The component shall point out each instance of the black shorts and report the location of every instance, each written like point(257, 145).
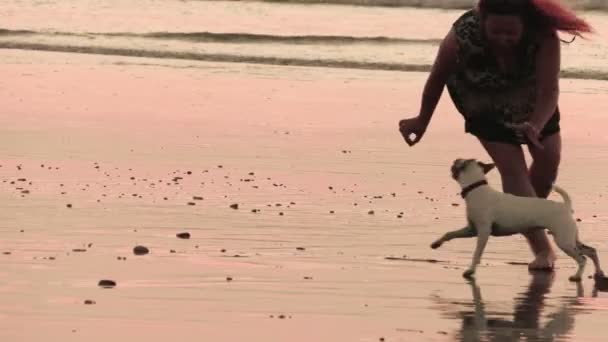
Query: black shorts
point(492, 131)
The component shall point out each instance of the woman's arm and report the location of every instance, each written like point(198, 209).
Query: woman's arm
point(444, 65)
point(547, 81)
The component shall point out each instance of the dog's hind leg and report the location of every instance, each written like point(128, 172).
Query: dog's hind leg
point(569, 247)
point(466, 232)
point(592, 254)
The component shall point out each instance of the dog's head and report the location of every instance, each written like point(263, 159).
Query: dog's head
point(466, 171)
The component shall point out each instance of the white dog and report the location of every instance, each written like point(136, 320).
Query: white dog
point(490, 212)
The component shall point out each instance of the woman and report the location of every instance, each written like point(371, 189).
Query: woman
point(501, 62)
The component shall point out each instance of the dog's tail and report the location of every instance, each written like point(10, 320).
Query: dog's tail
point(564, 195)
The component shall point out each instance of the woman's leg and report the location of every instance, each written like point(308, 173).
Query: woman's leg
point(516, 180)
point(543, 171)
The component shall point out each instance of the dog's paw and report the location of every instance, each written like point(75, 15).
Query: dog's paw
point(575, 278)
point(436, 244)
point(468, 274)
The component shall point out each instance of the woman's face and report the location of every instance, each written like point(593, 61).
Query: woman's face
point(503, 32)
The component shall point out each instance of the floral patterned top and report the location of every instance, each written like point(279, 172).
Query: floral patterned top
point(479, 88)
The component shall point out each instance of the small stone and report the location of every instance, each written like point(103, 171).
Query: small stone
point(234, 206)
point(197, 198)
point(281, 214)
point(381, 339)
point(223, 250)
point(79, 250)
point(455, 204)
point(172, 251)
point(140, 250)
point(281, 316)
point(331, 212)
point(578, 220)
point(69, 205)
point(89, 302)
point(191, 203)
point(228, 278)
point(7, 253)
point(371, 212)
point(185, 235)
point(107, 283)
point(308, 278)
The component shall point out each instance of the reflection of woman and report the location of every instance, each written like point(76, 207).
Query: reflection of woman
point(501, 62)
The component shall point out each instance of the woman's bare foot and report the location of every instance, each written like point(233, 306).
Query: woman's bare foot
point(544, 261)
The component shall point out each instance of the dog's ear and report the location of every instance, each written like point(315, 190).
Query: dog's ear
point(486, 167)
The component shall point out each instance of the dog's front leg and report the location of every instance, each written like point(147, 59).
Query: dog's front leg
point(483, 234)
point(465, 232)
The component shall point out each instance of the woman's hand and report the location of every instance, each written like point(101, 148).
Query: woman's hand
point(414, 126)
point(528, 131)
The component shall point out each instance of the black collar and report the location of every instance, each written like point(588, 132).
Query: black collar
point(472, 187)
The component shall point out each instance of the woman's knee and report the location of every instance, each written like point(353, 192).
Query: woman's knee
point(545, 165)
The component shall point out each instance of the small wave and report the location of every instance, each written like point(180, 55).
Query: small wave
point(5, 32)
point(210, 57)
point(215, 37)
point(264, 38)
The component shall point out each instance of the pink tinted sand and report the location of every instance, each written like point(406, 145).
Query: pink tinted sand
point(316, 140)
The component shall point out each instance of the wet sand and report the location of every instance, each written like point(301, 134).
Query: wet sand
point(316, 153)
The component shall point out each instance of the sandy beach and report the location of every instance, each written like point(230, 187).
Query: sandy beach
point(330, 241)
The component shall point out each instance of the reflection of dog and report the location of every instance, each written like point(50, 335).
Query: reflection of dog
point(530, 320)
point(490, 212)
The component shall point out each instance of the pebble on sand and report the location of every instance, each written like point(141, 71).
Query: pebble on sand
point(191, 203)
point(185, 235)
point(68, 205)
point(89, 302)
point(140, 250)
point(107, 283)
point(228, 278)
point(234, 206)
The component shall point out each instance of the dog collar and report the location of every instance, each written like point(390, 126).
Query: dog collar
point(472, 187)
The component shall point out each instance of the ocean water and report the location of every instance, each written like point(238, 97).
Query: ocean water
point(354, 34)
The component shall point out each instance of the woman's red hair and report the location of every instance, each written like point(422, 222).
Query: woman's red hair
point(558, 17)
point(548, 14)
